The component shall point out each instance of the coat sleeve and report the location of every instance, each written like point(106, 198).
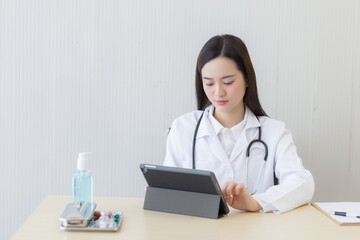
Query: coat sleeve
point(172, 157)
point(296, 184)
point(179, 140)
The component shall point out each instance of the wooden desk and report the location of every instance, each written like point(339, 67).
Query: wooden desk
point(303, 223)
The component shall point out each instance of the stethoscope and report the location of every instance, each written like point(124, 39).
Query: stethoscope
point(258, 140)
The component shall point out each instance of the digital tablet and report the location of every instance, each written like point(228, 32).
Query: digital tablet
point(183, 179)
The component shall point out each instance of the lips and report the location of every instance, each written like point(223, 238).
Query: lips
point(221, 102)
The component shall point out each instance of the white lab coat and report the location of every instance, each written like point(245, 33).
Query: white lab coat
point(296, 184)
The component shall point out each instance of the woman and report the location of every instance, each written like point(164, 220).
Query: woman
point(229, 118)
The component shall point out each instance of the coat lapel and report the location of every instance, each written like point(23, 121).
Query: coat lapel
point(206, 130)
point(216, 147)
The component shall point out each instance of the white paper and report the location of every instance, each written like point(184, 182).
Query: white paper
point(351, 208)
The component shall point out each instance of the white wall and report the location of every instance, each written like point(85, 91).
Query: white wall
point(110, 76)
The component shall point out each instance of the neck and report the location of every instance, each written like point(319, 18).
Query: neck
point(230, 119)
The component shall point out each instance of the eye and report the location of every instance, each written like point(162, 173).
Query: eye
point(229, 83)
point(208, 82)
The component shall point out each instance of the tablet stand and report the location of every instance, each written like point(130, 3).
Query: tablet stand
point(183, 202)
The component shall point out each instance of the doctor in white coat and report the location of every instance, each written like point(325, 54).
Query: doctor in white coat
point(253, 156)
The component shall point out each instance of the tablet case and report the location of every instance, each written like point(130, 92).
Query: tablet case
point(183, 191)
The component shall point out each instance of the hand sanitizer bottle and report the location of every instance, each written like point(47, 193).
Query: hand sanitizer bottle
point(82, 182)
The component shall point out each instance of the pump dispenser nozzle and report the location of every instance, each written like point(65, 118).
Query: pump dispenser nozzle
point(83, 161)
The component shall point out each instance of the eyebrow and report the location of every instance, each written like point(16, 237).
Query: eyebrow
point(224, 77)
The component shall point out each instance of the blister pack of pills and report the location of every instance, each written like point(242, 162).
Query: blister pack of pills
point(89, 219)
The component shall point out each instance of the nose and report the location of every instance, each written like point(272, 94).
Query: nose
point(219, 90)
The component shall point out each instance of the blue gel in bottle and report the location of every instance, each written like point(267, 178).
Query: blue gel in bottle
point(82, 182)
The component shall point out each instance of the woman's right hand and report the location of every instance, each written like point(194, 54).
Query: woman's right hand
point(238, 197)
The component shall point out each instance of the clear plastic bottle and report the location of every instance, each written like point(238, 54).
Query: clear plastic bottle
point(82, 181)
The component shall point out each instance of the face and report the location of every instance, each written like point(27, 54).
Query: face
point(224, 85)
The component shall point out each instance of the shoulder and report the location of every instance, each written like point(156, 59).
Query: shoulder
point(273, 128)
point(187, 119)
point(271, 123)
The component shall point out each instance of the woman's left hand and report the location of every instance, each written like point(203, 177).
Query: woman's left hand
point(237, 196)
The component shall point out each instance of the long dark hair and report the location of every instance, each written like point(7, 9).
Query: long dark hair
point(233, 48)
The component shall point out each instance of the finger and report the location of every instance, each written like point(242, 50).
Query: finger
point(239, 187)
point(230, 200)
point(225, 187)
point(230, 187)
